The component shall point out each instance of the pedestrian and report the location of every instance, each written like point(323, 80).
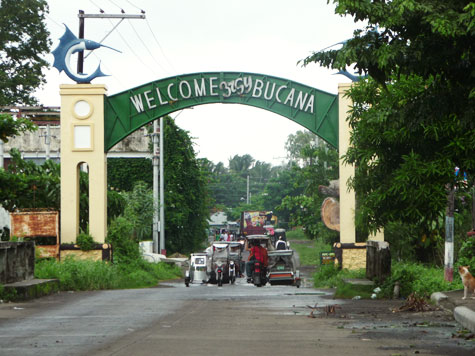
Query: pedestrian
point(224, 236)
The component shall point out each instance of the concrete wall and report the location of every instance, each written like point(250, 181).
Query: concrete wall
point(17, 261)
point(32, 145)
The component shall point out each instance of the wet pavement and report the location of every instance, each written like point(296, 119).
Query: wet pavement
point(233, 319)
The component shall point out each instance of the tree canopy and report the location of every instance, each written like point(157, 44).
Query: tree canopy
point(412, 118)
point(23, 41)
point(187, 202)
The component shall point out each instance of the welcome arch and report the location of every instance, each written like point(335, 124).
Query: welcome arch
point(314, 109)
point(92, 123)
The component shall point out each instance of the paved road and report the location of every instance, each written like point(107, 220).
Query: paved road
point(232, 320)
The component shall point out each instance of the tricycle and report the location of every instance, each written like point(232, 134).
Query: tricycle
point(219, 264)
point(197, 271)
point(282, 268)
point(256, 269)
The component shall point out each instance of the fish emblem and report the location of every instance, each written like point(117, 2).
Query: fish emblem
point(70, 44)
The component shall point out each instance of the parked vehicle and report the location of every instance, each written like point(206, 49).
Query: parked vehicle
point(282, 268)
point(198, 271)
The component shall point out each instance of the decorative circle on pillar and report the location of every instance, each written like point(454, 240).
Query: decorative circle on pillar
point(82, 109)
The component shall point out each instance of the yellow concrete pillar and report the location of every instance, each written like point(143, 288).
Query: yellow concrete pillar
point(82, 141)
point(347, 197)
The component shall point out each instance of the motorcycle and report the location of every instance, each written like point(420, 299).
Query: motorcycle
point(259, 274)
point(232, 272)
point(220, 269)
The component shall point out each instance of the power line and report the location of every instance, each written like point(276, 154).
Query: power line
point(55, 22)
point(159, 46)
point(146, 47)
point(113, 3)
point(135, 54)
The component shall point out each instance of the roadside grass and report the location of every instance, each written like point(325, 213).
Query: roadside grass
point(418, 278)
point(296, 234)
point(412, 277)
point(309, 252)
point(95, 275)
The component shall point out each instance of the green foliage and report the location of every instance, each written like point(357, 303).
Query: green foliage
point(85, 241)
point(122, 173)
point(404, 147)
point(120, 236)
point(330, 276)
point(7, 295)
point(24, 43)
point(466, 255)
point(296, 234)
point(309, 253)
point(187, 201)
point(12, 127)
point(25, 185)
point(139, 210)
point(417, 278)
point(94, 275)
point(320, 166)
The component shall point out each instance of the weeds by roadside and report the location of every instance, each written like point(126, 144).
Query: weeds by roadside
point(94, 275)
point(412, 277)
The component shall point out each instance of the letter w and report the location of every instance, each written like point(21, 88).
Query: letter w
point(137, 101)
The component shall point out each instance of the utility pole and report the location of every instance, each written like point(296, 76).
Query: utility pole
point(247, 194)
point(162, 194)
point(155, 163)
point(449, 235)
point(47, 136)
point(82, 16)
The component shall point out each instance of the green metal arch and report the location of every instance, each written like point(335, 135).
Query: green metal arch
point(127, 111)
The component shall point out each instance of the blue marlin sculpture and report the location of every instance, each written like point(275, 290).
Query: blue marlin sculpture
point(70, 44)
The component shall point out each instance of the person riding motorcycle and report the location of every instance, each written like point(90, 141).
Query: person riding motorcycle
point(280, 244)
point(256, 252)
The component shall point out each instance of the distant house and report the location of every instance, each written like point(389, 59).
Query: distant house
point(219, 221)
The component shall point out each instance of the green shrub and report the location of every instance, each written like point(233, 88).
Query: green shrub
point(85, 241)
point(417, 278)
point(466, 255)
point(120, 236)
point(95, 275)
point(330, 276)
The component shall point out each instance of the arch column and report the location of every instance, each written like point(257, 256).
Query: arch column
point(347, 196)
point(82, 141)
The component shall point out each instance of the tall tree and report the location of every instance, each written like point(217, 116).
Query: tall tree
point(23, 42)
point(186, 196)
point(412, 119)
point(241, 164)
point(303, 203)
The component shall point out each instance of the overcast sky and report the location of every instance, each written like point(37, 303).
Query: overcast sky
point(188, 36)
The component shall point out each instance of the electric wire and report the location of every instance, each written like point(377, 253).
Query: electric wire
point(154, 37)
point(146, 47)
point(93, 3)
point(113, 3)
point(159, 46)
point(54, 21)
point(135, 54)
point(116, 78)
